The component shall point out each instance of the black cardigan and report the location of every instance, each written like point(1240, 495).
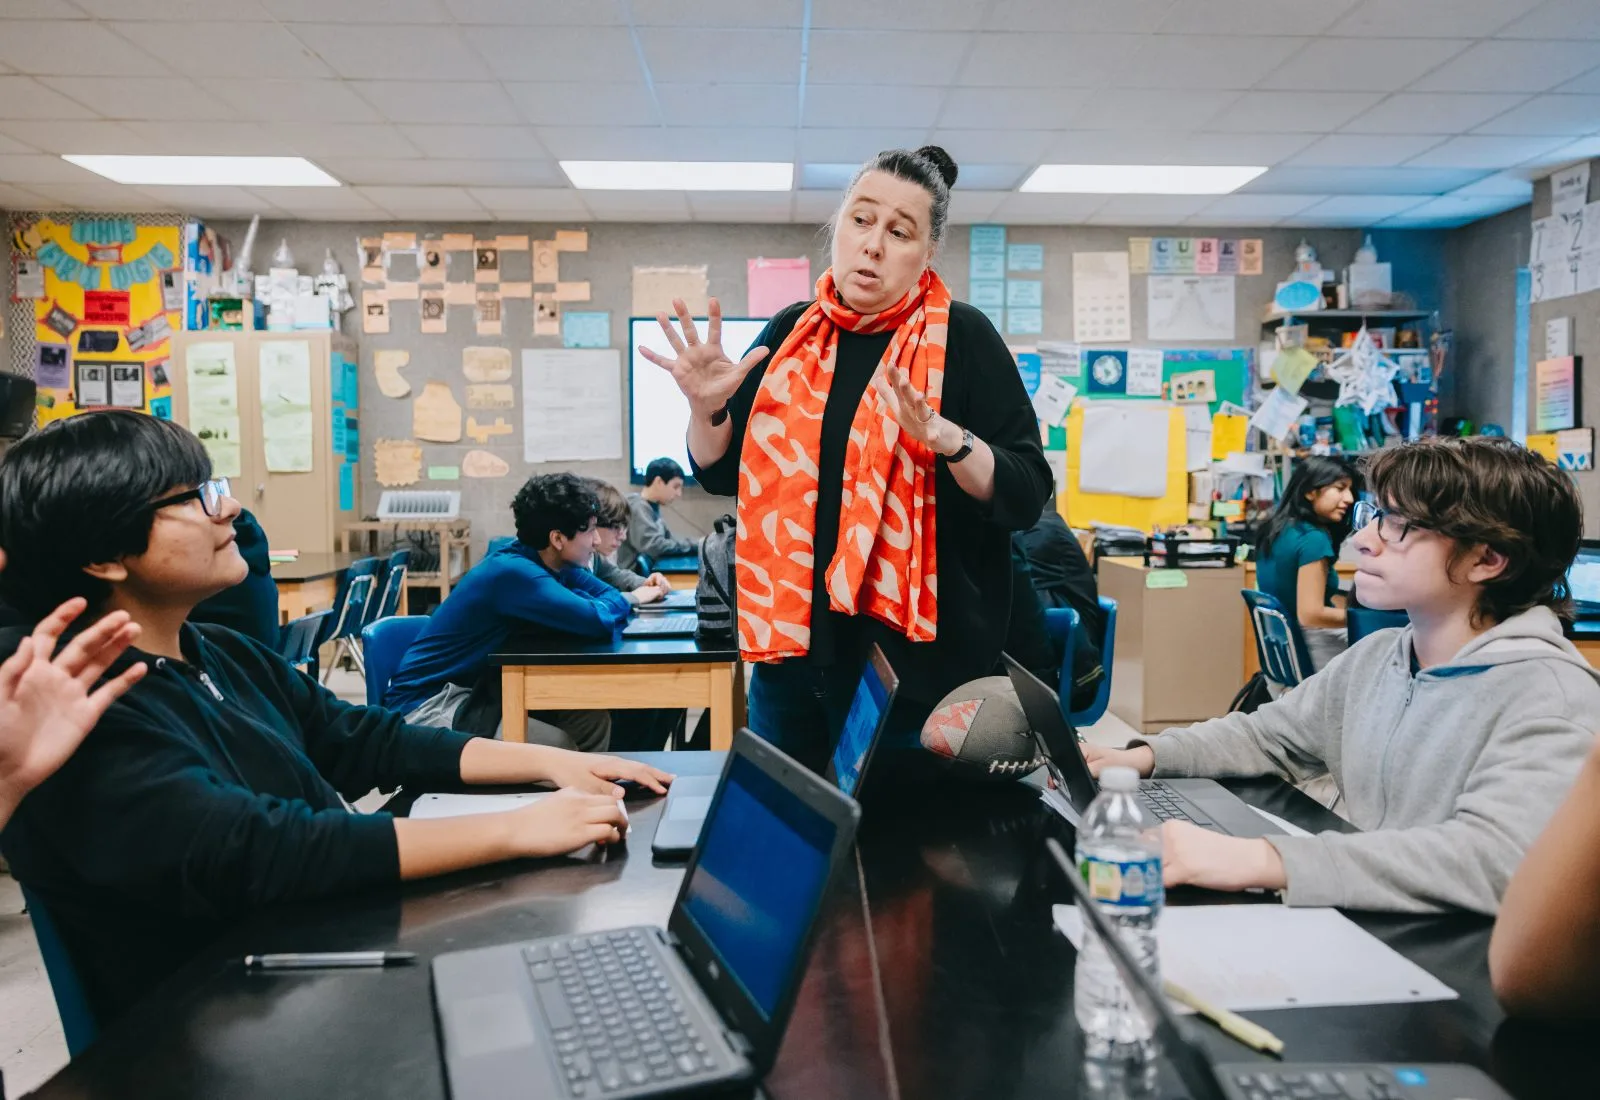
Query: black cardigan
point(983, 391)
point(210, 790)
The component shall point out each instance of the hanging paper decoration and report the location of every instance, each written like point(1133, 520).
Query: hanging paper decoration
point(1365, 375)
point(104, 231)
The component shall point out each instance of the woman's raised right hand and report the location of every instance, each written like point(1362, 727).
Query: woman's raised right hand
point(702, 370)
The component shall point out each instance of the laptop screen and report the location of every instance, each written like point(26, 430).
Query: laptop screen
point(763, 865)
point(867, 710)
point(1583, 581)
point(1042, 707)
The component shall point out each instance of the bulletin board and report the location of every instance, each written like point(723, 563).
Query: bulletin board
point(111, 298)
point(1231, 367)
point(1082, 508)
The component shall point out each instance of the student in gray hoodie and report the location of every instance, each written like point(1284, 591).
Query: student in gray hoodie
point(1451, 741)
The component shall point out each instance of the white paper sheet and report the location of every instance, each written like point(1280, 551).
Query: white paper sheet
point(571, 404)
point(214, 405)
point(1144, 372)
point(1253, 958)
point(286, 418)
point(1197, 433)
point(1278, 413)
point(1053, 399)
point(1124, 449)
point(1190, 307)
point(1101, 311)
point(1569, 189)
point(460, 805)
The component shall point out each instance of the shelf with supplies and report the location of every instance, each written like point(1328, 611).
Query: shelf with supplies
point(1346, 318)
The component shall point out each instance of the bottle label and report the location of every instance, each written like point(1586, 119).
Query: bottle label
point(1135, 884)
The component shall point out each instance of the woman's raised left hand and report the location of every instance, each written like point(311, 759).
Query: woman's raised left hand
point(918, 420)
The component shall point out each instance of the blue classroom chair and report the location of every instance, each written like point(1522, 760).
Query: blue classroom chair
point(1361, 621)
point(386, 642)
point(1279, 647)
point(1062, 624)
point(77, 1022)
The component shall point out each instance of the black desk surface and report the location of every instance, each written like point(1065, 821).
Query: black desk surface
point(680, 563)
point(310, 567)
point(975, 997)
point(627, 651)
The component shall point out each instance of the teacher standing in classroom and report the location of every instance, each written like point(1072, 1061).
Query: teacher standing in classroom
point(881, 454)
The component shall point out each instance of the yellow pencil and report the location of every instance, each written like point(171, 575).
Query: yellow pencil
point(1251, 1035)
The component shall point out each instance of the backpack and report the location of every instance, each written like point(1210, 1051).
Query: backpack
point(714, 595)
point(1252, 696)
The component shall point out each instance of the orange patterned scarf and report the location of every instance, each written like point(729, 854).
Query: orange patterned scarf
point(885, 562)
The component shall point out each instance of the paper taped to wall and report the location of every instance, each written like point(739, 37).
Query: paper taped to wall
point(386, 364)
point(435, 415)
point(485, 364)
point(397, 462)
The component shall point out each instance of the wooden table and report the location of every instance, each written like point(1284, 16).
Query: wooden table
point(455, 550)
point(632, 674)
point(309, 583)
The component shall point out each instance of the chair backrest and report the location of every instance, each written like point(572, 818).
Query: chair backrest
point(350, 608)
point(77, 1022)
point(385, 643)
point(297, 638)
point(500, 542)
point(1108, 652)
point(1275, 639)
point(1361, 621)
point(644, 565)
point(394, 582)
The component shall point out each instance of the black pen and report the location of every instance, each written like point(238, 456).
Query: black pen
point(320, 959)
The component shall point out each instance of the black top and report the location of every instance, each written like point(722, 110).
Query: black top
point(983, 392)
point(251, 606)
point(210, 790)
point(1061, 572)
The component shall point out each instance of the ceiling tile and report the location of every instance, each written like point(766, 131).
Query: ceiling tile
point(827, 177)
point(1473, 151)
point(1172, 207)
point(175, 11)
point(1373, 65)
point(838, 105)
point(1151, 109)
point(77, 137)
point(1292, 112)
point(816, 205)
point(385, 12)
point(104, 196)
point(603, 54)
point(459, 172)
point(531, 202)
point(403, 53)
point(740, 206)
point(992, 146)
point(991, 177)
point(32, 168)
point(227, 49)
point(1365, 150)
point(292, 100)
point(560, 104)
point(969, 207)
point(729, 104)
point(1203, 61)
point(1373, 207)
point(1426, 18)
point(199, 139)
point(9, 144)
point(208, 200)
point(24, 97)
point(18, 198)
point(896, 15)
point(721, 13)
point(422, 198)
point(41, 9)
point(477, 142)
point(1561, 19)
point(1187, 147)
point(1578, 150)
point(1036, 209)
point(887, 57)
point(1589, 84)
point(1510, 67)
point(1045, 60)
point(1001, 108)
point(437, 101)
point(1432, 113)
point(146, 98)
point(324, 200)
point(730, 143)
point(1463, 207)
point(1254, 17)
point(757, 56)
point(638, 206)
point(605, 142)
point(538, 13)
point(1361, 181)
point(350, 140)
point(65, 48)
point(1508, 185)
point(1219, 222)
point(847, 146)
point(1078, 16)
point(1268, 207)
point(1558, 115)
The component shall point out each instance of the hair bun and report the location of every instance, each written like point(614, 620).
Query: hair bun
point(942, 161)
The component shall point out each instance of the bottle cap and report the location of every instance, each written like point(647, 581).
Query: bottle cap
point(1119, 779)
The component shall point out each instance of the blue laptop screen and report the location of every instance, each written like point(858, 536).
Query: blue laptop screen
point(763, 867)
point(860, 725)
point(1583, 580)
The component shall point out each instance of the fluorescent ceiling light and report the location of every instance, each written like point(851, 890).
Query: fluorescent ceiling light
point(1140, 179)
point(679, 175)
point(206, 171)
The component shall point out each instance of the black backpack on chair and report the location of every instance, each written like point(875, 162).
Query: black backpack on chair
point(714, 597)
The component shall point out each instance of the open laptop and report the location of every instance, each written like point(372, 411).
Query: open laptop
point(681, 599)
point(689, 797)
point(1583, 583)
point(674, 624)
point(1204, 802)
point(699, 1005)
point(1262, 1080)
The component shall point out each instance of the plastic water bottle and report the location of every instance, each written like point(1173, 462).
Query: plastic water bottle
point(1119, 856)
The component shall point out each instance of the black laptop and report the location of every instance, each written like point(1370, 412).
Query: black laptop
point(672, 624)
point(1204, 802)
point(689, 797)
point(1263, 1080)
point(699, 1005)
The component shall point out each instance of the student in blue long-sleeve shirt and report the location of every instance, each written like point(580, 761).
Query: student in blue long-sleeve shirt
point(540, 584)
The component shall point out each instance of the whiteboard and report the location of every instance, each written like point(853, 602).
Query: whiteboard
point(659, 413)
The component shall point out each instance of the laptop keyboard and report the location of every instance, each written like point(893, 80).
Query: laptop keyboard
point(616, 1018)
point(1163, 804)
point(1352, 1084)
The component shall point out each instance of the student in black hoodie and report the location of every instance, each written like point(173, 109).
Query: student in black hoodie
point(218, 784)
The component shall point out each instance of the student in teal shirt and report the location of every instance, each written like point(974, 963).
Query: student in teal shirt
point(1296, 550)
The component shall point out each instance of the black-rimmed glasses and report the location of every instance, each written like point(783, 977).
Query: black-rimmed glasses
point(208, 493)
point(1391, 526)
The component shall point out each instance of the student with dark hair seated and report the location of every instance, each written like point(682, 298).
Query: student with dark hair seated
point(1049, 570)
point(539, 584)
point(647, 534)
point(251, 606)
point(611, 531)
point(217, 784)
